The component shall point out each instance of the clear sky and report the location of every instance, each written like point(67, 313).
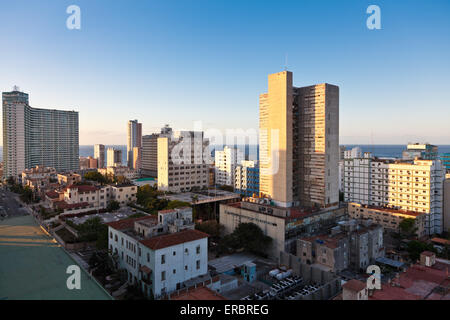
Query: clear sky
point(178, 62)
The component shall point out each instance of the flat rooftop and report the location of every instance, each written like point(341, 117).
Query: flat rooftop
point(33, 266)
point(203, 197)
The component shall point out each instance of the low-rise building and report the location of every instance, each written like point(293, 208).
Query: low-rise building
point(349, 246)
point(389, 218)
point(117, 171)
point(84, 198)
point(283, 225)
point(38, 178)
point(159, 254)
point(68, 179)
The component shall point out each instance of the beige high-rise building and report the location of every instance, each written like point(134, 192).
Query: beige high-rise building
point(137, 158)
point(114, 157)
point(299, 143)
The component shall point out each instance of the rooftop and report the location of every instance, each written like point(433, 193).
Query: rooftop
point(126, 224)
point(199, 293)
point(33, 266)
point(354, 285)
point(173, 239)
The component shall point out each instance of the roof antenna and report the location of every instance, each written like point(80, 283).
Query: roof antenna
point(16, 88)
point(285, 62)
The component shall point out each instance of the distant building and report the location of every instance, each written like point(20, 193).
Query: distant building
point(182, 165)
point(137, 158)
point(422, 151)
point(119, 170)
point(445, 158)
point(159, 254)
point(134, 140)
point(225, 163)
point(246, 181)
point(355, 290)
point(99, 154)
point(37, 137)
point(150, 151)
point(389, 218)
point(114, 157)
point(88, 163)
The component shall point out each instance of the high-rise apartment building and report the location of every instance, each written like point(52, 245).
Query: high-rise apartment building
point(99, 154)
point(37, 137)
point(149, 161)
point(137, 158)
point(415, 186)
point(114, 157)
point(134, 140)
point(299, 143)
point(182, 165)
point(225, 163)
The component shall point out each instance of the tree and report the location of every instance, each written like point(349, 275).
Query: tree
point(415, 248)
point(211, 227)
point(95, 176)
point(113, 205)
point(250, 237)
point(408, 227)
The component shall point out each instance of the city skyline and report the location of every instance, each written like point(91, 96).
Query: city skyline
point(138, 64)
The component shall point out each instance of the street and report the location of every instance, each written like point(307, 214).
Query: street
point(9, 205)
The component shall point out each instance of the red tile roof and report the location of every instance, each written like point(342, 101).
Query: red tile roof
point(52, 194)
point(64, 205)
point(354, 285)
point(173, 239)
point(167, 211)
point(128, 223)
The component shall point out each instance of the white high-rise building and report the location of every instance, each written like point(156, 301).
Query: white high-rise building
point(225, 163)
point(99, 154)
point(134, 140)
point(182, 162)
point(37, 137)
point(410, 186)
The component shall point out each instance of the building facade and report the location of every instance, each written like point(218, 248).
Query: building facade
point(182, 164)
point(99, 154)
point(246, 180)
point(390, 219)
point(159, 254)
point(299, 143)
point(114, 157)
point(410, 186)
point(423, 151)
point(225, 165)
point(134, 140)
point(37, 137)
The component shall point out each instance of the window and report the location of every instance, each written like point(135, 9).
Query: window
point(198, 264)
point(198, 249)
point(174, 271)
point(163, 276)
point(174, 253)
point(163, 259)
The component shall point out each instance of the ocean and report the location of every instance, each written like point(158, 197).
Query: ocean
point(385, 151)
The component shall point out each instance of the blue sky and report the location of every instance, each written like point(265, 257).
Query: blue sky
point(178, 62)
